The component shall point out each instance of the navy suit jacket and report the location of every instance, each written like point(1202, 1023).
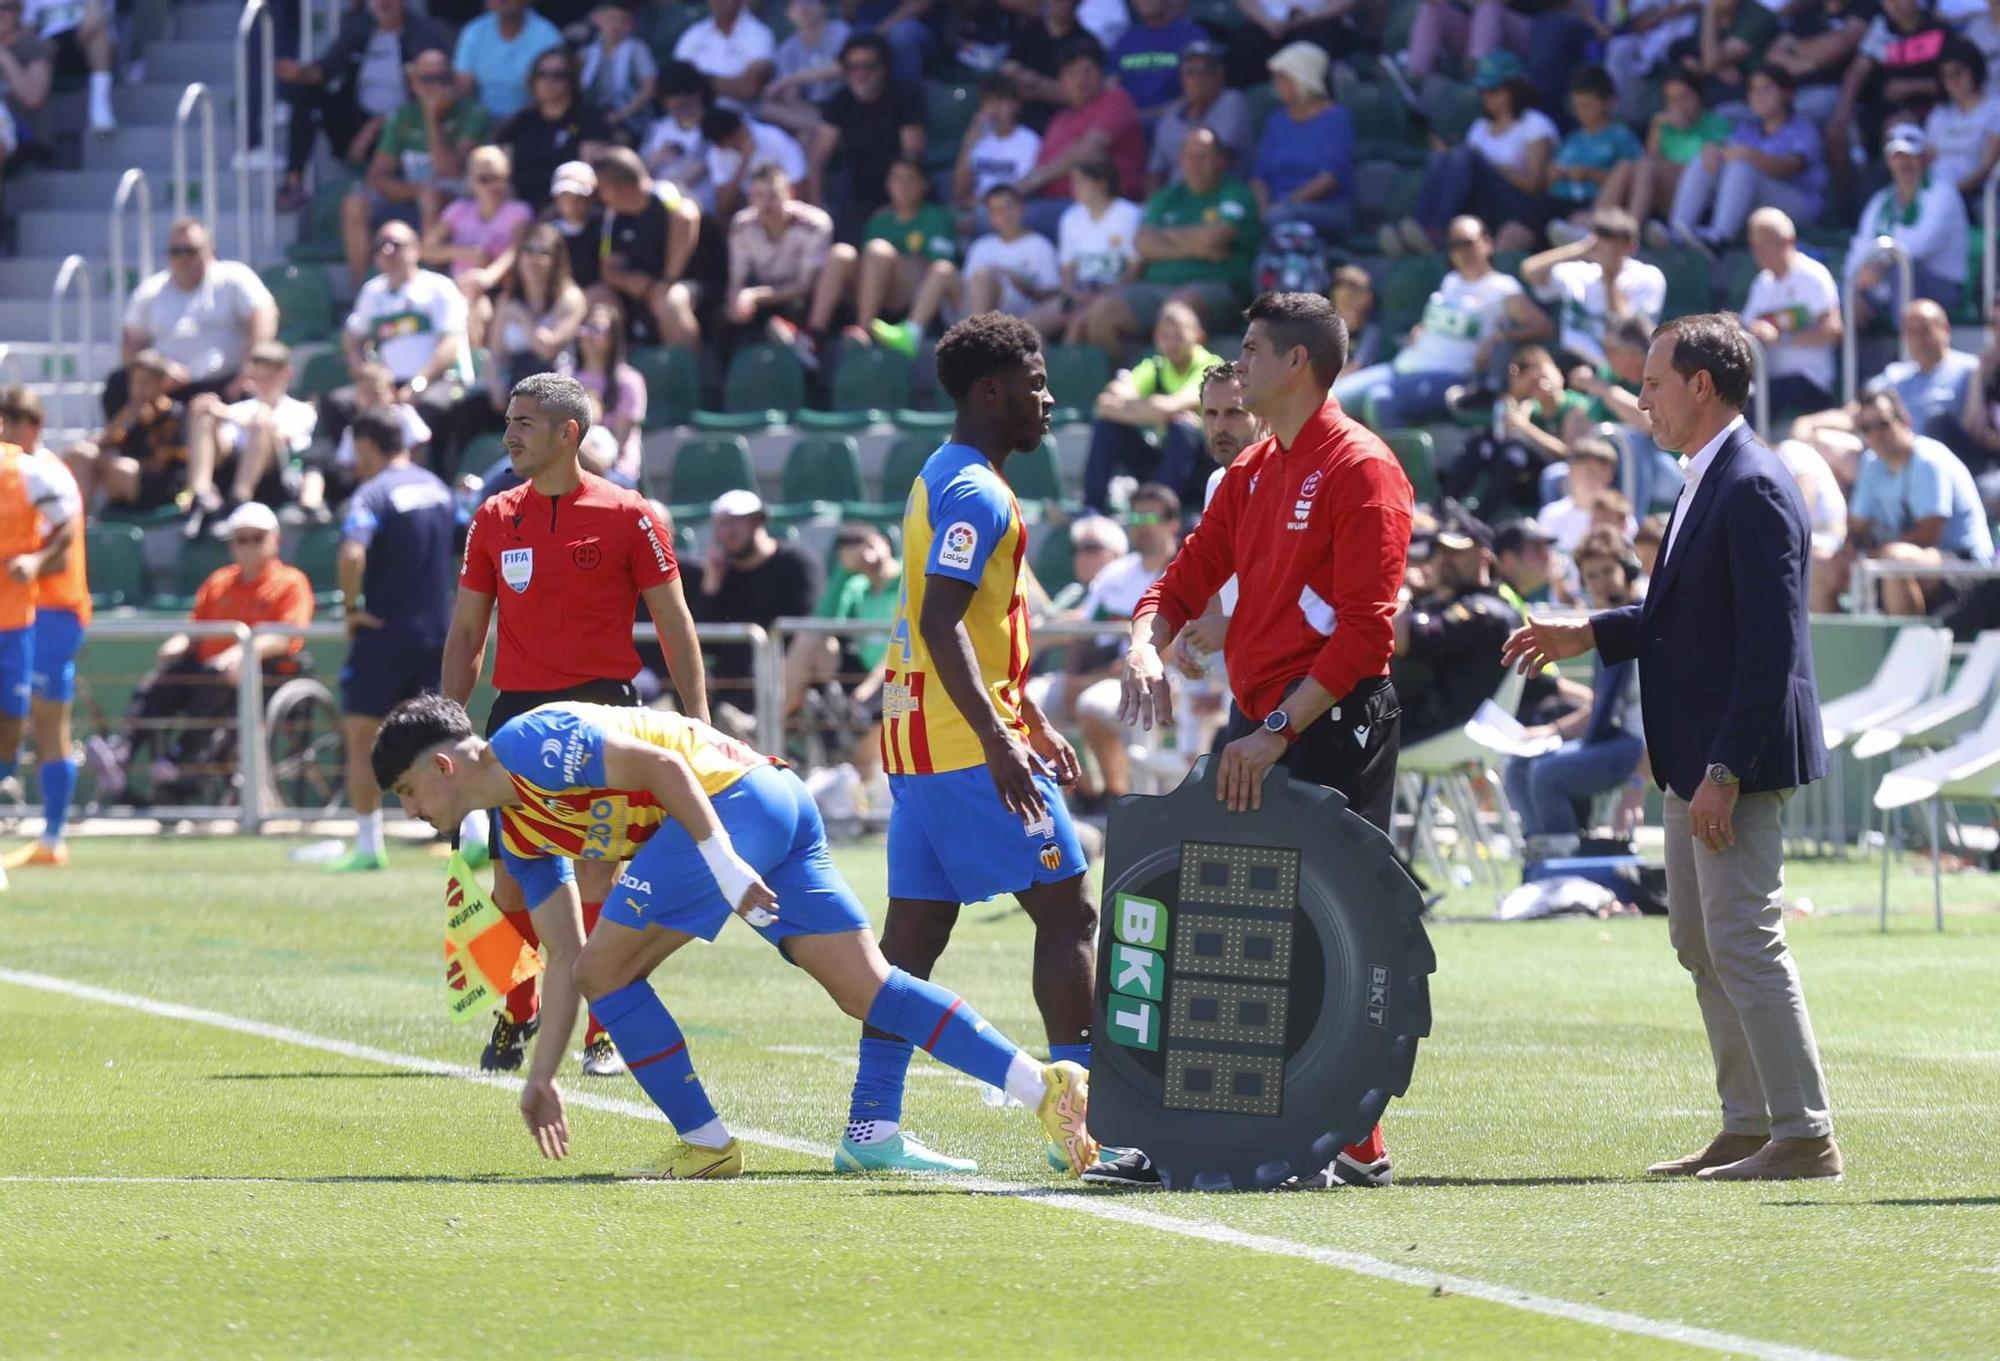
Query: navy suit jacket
point(1724, 652)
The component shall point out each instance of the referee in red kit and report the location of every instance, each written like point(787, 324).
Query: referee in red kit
point(1314, 523)
point(568, 556)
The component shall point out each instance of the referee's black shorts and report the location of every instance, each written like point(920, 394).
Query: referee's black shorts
point(509, 705)
point(1352, 748)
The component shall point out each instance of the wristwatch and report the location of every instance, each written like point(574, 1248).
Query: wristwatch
point(1280, 722)
point(1719, 773)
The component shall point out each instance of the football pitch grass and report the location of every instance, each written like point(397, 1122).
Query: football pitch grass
point(237, 1123)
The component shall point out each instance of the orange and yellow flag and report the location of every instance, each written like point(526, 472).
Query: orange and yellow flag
point(484, 956)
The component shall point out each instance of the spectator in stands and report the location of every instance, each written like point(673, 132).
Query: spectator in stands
point(1772, 159)
point(1925, 216)
point(331, 480)
point(905, 26)
point(577, 219)
point(139, 461)
point(1826, 513)
point(674, 150)
point(779, 267)
point(1148, 419)
point(747, 577)
point(476, 236)
point(1613, 392)
point(1602, 743)
point(1647, 543)
point(1304, 171)
point(1095, 541)
point(496, 52)
point(1914, 503)
point(737, 146)
point(1592, 153)
point(558, 125)
point(245, 451)
point(1010, 269)
point(1980, 417)
point(733, 48)
point(1205, 102)
point(1651, 30)
point(200, 314)
point(1932, 383)
point(350, 90)
point(396, 573)
point(414, 321)
point(844, 675)
point(1198, 238)
point(1983, 31)
point(1033, 60)
point(1815, 44)
point(1447, 657)
point(1548, 38)
point(1522, 563)
point(85, 43)
point(1964, 128)
point(1533, 424)
point(1471, 317)
point(27, 66)
point(1731, 33)
point(1340, 28)
point(1501, 172)
point(536, 315)
point(1793, 309)
point(868, 125)
point(898, 247)
point(1573, 279)
point(193, 681)
point(807, 64)
point(1147, 57)
point(1675, 138)
point(1096, 244)
point(998, 149)
point(1895, 67)
point(649, 237)
point(618, 76)
point(1593, 480)
point(619, 388)
point(423, 145)
point(1352, 294)
point(1098, 120)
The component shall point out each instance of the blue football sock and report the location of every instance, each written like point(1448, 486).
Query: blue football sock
point(656, 1053)
point(58, 783)
point(1079, 1054)
point(878, 1083)
point(938, 1020)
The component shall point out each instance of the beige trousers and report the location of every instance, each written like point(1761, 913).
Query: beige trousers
point(1726, 922)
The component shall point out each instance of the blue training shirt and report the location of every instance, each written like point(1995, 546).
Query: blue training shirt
point(405, 518)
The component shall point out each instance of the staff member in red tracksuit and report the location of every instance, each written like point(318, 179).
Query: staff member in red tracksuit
point(1314, 523)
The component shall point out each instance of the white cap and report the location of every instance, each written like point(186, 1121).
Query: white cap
point(737, 502)
point(1906, 139)
point(1305, 63)
point(574, 177)
point(250, 515)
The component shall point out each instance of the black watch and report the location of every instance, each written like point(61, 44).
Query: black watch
point(1719, 773)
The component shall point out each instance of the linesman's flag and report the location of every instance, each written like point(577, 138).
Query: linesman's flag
point(484, 956)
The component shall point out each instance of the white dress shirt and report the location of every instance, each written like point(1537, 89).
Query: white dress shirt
point(1693, 471)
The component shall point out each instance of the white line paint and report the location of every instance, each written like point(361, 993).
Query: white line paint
point(1108, 1207)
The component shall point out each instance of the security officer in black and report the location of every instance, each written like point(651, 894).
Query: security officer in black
point(1447, 659)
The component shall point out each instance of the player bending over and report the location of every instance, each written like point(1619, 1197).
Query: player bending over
point(709, 826)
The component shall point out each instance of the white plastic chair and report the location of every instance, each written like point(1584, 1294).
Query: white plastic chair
point(1968, 769)
point(1443, 764)
point(1910, 673)
point(1935, 722)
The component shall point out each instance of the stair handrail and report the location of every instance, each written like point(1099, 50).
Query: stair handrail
point(1850, 337)
point(260, 228)
point(132, 187)
point(196, 95)
point(1989, 271)
point(74, 272)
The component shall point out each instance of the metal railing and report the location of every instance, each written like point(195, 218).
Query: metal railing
point(1989, 271)
point(132, 188)
point(1760, 392)
point(249, 713)
point(255, 231)
point(75, 271)
point(1869, 572)
point(195, 96)
point(1850, 336)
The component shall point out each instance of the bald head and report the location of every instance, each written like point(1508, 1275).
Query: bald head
point(1927, 331)
point(1202, 160)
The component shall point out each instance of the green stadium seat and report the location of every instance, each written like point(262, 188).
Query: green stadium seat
point(305, 302)
point(911, 419)
point(1054, 561)
point(705, 466)
point(1381, 124)
point(764, 377)
point(870, 376)
point(320, 375)
point(1396, 28)
point(1263, 101)
point(822, 468)
point(669, 21)
point(1416, 451)
point(1689, 273)
point(481, 452)
point(1406, 286)
point(319, 241)
point(116, 555)
point(905, 461)
point(1510, 261)
point(839, 422)
point(1739, 268)
point(317, 554)
point(673, 383)
point(1453, 109)
point(949, 111)
point(736, 422)
point(1221, 15)
point(1077, 374)
point(197, 558)
point(1036, 475)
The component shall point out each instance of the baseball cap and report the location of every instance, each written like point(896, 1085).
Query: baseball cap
point(1515, 535)
point(1496, 69)
point(1203, 49)
point(251, 515)
point(1460, 529)
point(737, 502)
point(1906, 139)
point(574, 177)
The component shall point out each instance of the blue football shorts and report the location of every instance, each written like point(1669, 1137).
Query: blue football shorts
point(951, 840)
point(17, 662)
point(58, 638)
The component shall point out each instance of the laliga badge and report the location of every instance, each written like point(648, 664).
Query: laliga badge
point(517, 567)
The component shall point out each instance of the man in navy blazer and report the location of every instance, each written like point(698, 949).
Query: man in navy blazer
point(1732, 728)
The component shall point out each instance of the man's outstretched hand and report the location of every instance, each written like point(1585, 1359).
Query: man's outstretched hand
point(1541, 641)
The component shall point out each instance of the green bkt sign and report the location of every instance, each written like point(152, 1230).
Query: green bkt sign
point(1138, 970)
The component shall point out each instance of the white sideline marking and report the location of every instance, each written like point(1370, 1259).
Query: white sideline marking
point(1110, 1207)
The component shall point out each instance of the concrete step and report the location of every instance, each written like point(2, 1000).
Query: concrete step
point(61, 231)
point(24, 319)
point(213, 63)
point(210, 22)
point(150, 147)
point(91, 190)
point(152, 102)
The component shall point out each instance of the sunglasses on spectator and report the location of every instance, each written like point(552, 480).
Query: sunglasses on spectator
point(1870, 427)
point(183, 250)
point(254, 537)
point(552, 73)
point(1093, 547)
point(1460, 242)
point(489, 179)
point(444, 79)
point(856, 67)
point(537, 252)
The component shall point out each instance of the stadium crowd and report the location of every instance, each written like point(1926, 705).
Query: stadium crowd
point(1502, 199)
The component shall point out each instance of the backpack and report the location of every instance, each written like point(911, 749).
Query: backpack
point(1293, 260)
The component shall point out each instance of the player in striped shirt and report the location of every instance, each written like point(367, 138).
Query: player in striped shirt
point(710, 827)
point(973, 764)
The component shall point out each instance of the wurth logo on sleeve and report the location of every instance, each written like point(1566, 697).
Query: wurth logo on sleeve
point(653, 538)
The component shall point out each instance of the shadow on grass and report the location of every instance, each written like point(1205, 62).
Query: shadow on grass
point(1632, 1180)
point(1902, 1202)
point(289, 1077)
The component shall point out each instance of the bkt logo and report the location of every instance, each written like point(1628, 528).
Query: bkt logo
point(1139, 930)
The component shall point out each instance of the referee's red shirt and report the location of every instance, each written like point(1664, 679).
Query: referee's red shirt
point(567, 574)
point(1316, 536)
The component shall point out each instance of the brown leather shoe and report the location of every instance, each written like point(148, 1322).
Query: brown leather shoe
point(1722, 1150)
point(1784, 1160)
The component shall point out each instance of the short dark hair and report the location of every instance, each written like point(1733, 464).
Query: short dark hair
point(18, 402)
point(1083, 48)
point(865, 42)
point(621, 166)
point(1099, 168)
point(980, 347)
point(558, 395)
point(1159, 493)
point(1304, 319)
point(1006, 189)
point(1964, 52)
point(682, 78)
point(999, 87)
point(1712, 343)
point(1631, 331)
point(1225, 372)
point(413, 728)
point(381, 429)
point(1594, 446)
point(718, 123)
point(1898, 408)
point(1592, 80)
point(1605, 542)
point(1778, 76)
